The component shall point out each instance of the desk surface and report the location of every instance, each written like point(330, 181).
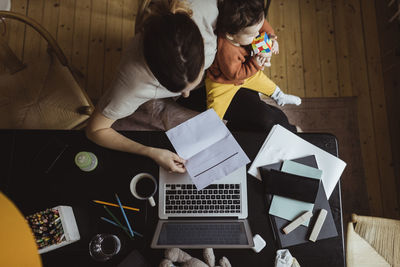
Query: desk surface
point(34, 181)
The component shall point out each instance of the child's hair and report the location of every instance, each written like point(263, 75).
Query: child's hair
point(235, 15)
point(173, 45)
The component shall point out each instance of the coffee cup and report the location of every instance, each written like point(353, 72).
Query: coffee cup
point(143, 186)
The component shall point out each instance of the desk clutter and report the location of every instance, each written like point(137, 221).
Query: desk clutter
point(298, 179)
point(53, 228)
point(298, 207)
point(128, 229)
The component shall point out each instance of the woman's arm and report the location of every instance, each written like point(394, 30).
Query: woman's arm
point(99, 131)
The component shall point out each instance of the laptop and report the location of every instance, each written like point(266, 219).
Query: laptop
point(212, 217)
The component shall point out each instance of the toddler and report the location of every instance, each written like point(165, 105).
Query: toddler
point(239, 22)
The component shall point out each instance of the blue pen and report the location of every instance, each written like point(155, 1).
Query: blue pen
point(116, 224)
point(123, 213)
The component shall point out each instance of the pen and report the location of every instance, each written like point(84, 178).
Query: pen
point(117, 221)
point(123, 213)
point(123, 227)
point(114, 205)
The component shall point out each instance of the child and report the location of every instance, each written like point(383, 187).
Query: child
point(239, 22)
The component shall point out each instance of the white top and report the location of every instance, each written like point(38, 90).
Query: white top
point(135, 84)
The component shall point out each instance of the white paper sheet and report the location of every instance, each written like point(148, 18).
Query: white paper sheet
point(281, 144)
point(210, 150)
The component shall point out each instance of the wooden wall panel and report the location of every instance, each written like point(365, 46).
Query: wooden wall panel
point(378, 104)
point(278, 62)
point(16, 29)
point(80, 39)
point(32, 43)
point(389, 41)
point(113, 43)
point(66, 27)
point(359, 74)
point(293, 51)
point(96, 49)
point(129, 10)
point(327, 50)
point(342, 48)
point(51, 12)
point(311, 58)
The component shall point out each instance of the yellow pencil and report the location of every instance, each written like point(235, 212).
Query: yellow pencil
point(114, 205)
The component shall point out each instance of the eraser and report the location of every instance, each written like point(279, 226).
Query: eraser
point(318, 225)
point(297, 222)
point(259, 243)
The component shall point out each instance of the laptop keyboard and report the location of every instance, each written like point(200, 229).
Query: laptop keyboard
point(215, 198)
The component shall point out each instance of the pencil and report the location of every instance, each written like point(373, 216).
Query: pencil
point(117, 221)
point(123, 213)
point(114, 205)
point(123, 227)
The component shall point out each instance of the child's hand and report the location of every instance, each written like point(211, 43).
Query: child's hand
point(261, 58)
point(282, 99)
point(275, 46)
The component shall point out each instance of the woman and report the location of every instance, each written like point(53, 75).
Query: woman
point(166, 59)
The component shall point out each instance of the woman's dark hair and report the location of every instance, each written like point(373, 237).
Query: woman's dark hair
point(235, 15)
point(173, 48)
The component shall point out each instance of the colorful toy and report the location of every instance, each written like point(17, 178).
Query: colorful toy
point(262, 44)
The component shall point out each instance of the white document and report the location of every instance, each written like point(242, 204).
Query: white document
point(210, 150)
point(281, 144)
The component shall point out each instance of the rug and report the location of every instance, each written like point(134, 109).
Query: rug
point(337, 116)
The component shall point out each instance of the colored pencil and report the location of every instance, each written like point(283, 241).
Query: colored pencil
point(123, 213)
point(114, 205)
point(116, 224)
point(117, 221)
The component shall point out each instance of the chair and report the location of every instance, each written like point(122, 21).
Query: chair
point(42, 94)
point(373, 242)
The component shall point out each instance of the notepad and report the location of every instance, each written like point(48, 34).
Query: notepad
point(288, 208)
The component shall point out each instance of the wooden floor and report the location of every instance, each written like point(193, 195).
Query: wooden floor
point(328, 48)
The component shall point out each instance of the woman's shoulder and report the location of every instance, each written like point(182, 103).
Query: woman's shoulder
point(203, 6)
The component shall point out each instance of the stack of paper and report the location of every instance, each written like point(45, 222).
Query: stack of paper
point(288, 208)
point(281, 144)
point(281, 218)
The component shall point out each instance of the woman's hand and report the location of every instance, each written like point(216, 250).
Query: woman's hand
point(167, 159)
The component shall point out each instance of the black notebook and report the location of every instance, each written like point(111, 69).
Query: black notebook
point(290, 185)
point(301, 234)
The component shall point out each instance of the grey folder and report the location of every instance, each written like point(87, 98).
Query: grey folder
point(300, 234)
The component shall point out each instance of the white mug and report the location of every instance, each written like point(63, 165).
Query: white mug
point(148, 188)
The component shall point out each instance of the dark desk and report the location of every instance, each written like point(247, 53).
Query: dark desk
point(34, 182)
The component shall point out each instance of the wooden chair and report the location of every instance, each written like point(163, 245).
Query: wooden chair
point(43, 93)
point(373, 242)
